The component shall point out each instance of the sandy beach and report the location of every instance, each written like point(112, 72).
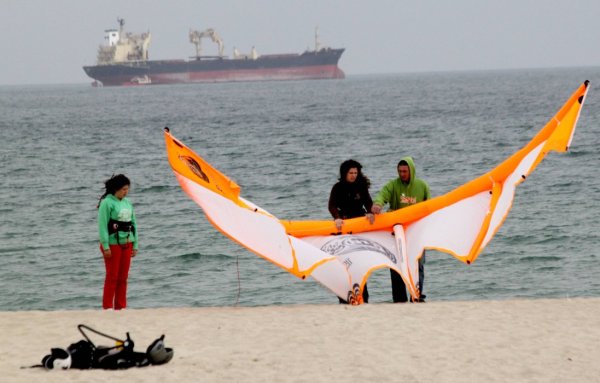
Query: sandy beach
point(475, 341)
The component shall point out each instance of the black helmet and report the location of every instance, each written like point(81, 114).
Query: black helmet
point(59, 359)
point(157, 353)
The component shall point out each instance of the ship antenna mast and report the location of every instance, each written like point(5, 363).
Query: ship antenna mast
point(121, 25)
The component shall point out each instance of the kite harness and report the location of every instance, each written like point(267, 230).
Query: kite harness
point(115, 226)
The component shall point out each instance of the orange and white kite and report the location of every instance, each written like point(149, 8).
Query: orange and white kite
point(461, 222)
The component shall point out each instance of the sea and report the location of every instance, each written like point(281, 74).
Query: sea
point(283, 142)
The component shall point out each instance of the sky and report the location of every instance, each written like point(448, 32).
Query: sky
point(48, 41)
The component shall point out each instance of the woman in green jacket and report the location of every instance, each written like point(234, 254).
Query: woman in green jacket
point(118, 240)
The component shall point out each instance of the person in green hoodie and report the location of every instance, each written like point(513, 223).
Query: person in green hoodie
point(401, 192)
point(118, 240)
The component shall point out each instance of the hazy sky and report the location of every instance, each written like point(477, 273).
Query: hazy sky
point(48, 41)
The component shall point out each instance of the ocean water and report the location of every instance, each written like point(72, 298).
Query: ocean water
point(282, 142)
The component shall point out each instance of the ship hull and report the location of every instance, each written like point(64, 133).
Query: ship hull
point(309, 65)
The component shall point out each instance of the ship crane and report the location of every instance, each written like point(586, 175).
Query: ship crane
point(196, 39)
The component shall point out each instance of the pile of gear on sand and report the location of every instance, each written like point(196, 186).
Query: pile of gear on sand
point(84, 354)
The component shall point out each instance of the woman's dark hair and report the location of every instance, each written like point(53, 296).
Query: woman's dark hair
point(113, 184)
point(349, 164)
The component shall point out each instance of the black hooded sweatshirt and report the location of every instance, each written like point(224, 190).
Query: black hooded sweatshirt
point(349, 200)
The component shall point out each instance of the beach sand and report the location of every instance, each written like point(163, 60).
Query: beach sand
point(544, 340)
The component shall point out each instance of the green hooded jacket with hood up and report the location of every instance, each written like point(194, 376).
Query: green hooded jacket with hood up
point(399, 194)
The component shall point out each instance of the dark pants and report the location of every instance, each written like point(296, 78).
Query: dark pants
point(365, 296)
point(399, 289)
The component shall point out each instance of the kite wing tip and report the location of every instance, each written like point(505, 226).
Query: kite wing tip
point(167, 130)
point(586, 83)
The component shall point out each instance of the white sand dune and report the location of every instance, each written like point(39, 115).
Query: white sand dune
point(477, 341)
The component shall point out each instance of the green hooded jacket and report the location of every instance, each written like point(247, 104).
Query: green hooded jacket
point(399, 194)
point(119, 210)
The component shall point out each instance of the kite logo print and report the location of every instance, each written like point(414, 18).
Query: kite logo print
point(194, 167)
point(351, 244)
point(408, 199)
point(347, 262)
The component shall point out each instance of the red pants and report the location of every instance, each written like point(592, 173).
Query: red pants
point(117, 271)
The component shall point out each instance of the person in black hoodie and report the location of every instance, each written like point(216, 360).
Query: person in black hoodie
point(350, 198)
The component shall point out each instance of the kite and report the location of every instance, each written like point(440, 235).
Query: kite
point(461, 222)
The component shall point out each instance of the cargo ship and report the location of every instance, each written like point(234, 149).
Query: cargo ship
point(123, 61)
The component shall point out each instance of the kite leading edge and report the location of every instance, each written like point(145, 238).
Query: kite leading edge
point(460, 223)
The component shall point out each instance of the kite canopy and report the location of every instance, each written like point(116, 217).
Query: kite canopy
point(461, 222)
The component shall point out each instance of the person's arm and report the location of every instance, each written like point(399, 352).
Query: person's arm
point(333, 209)
point(135, 231)
point(103, 218)
point(427, 192)
point(367, 200)
point(368, 204)
point(382, 198)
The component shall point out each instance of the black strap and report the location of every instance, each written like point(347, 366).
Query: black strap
point(115, 226)
point(82, 326)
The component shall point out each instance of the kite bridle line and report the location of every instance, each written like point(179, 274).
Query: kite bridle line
point(237, 266)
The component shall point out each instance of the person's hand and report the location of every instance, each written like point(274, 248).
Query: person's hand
point(376, 209)
point(106, 253)
point(133, 253)
point(338, 223)
point(370, 217)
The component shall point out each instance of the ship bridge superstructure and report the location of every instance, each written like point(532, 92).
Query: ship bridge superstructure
point(120, 47)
